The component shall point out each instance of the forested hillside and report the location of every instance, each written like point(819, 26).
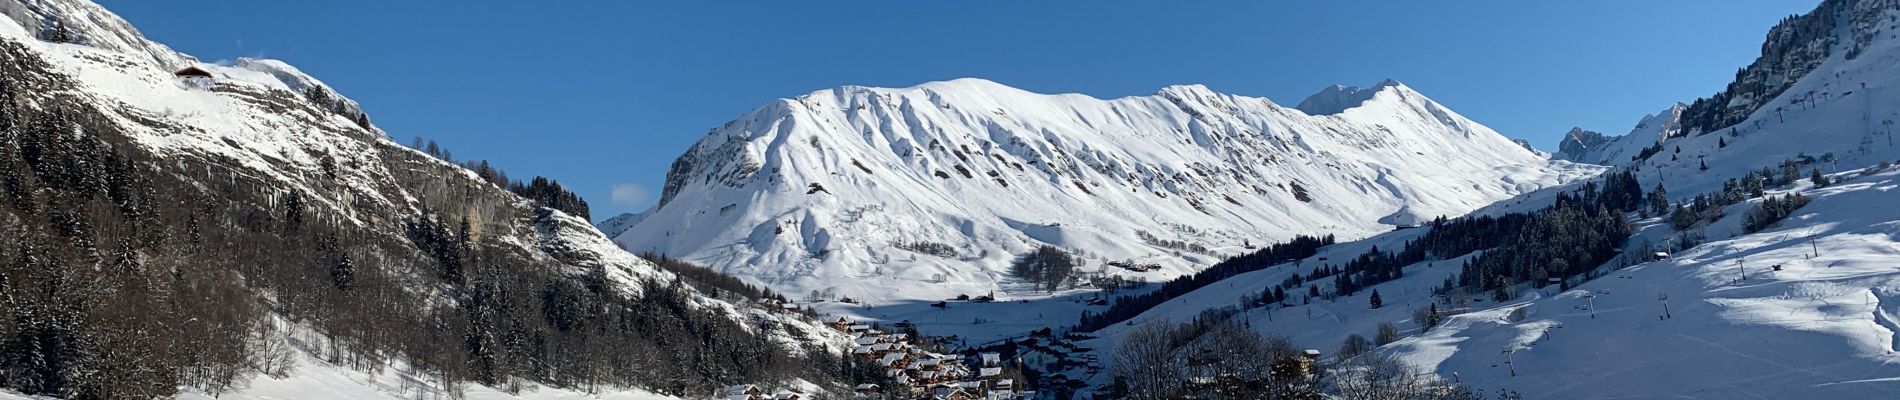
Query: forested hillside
point(152, 251)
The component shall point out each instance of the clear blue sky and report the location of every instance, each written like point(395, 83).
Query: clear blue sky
point(599, 94)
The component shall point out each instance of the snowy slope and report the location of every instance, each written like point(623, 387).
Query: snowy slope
point(265, 119)
point(1821, 327)
point(814, 194)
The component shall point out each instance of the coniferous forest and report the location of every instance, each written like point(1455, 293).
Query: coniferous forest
point(123, 275)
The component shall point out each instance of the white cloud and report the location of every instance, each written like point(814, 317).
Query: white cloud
point(628, 194)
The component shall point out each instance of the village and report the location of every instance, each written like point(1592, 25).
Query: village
point(911, 369)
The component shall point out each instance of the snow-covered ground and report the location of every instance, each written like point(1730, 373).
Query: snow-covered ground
point(816, 194)
point(1820, 326)
point(1798, 326)
point(315, 379)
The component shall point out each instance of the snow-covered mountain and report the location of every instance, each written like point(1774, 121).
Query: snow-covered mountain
point(927, 192)
point(274, 158)
point(1590, 147)
point(1802, 308)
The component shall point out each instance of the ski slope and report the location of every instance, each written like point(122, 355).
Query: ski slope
point(1821, 326)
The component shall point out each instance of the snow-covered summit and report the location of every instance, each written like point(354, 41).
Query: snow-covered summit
point(1337, 98)
point(928, 191)
point(86, 23)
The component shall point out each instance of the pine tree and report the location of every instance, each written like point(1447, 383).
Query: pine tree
point(1658, 200)
point(1790, 171)
point(1818, 179)
point(1376, 301)
point(1682, 218)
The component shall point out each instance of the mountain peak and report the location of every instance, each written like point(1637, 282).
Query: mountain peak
point(962, 84)
point(1339, 98)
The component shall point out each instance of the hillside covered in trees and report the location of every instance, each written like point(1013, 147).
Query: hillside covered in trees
point(146, 254)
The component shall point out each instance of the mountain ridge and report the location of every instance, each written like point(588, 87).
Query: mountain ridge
point(1186, 156)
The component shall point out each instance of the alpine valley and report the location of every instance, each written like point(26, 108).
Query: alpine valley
point(176, 228)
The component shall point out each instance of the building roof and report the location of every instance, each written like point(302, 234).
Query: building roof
point(890, 359)
point(192, 71)
point(739, 389)
point(991, 358)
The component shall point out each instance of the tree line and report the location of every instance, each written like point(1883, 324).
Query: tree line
point(1129, 306)
point(544, 191)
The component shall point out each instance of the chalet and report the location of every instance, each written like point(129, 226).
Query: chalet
point(893, 360)
point(840, 324)
point(951, 393)
point(989, 372)
point(192, 72)
point(1658, 256)
point(788, 396)
point(858, 328)
point(991, 359)
point(742, 392)
point(868, 388)
point(1005, 385)
point(1308, 359)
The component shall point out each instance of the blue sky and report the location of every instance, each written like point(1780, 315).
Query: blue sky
point(603, 95)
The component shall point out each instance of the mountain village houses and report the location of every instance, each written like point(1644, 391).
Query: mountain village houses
point(914, 373)
point(918, 373)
